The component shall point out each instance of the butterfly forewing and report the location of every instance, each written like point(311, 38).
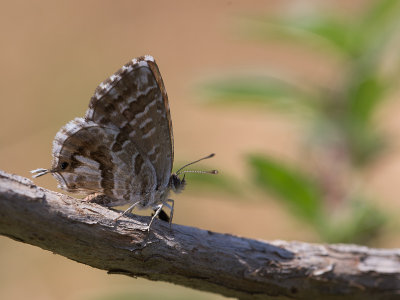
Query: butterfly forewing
point(134, 101)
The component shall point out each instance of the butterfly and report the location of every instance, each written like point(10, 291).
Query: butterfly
point(122, 151)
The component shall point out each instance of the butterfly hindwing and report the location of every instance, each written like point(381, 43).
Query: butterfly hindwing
point(85, 162)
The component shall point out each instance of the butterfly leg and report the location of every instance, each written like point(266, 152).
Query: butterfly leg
point(158, 210)
point(171, 207)
point(127, 211)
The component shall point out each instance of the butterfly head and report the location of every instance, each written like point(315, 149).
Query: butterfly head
point(177, 184)
point(61, 163)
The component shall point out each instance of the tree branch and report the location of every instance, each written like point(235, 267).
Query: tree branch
point(204, 260)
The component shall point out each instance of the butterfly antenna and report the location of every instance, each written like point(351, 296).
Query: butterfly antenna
point(200, 172)
point(195, 171)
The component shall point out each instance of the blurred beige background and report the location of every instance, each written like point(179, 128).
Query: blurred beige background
point(54, 54)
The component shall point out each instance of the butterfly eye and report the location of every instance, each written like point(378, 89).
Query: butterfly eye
point(64, 165)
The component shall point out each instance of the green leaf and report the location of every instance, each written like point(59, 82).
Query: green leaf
point(259, 90)
point(298, 190)
point(364, 97)
point(336, 31)
point(328, 31)
point(363, 100)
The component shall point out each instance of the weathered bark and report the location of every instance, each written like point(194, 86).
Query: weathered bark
point(204, 260)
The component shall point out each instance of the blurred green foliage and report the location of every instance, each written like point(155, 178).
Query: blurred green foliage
point(300, 193)
point(343, 137)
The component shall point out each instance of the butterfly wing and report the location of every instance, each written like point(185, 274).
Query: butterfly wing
point(135, 102)
point(84, 161)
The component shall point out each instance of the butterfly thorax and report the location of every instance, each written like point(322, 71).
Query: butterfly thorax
point(160, 195)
